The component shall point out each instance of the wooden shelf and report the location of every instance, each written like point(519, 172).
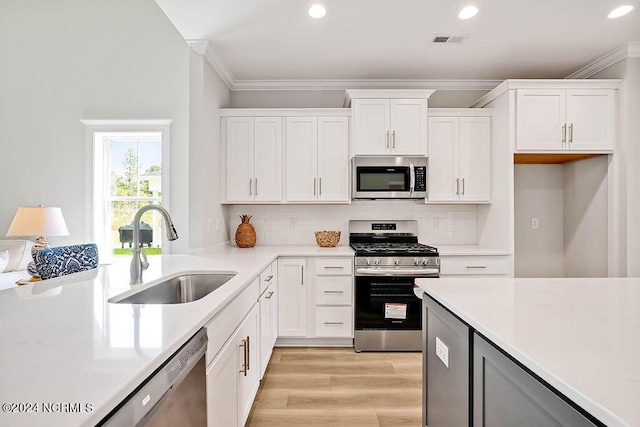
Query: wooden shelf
point(550, 158)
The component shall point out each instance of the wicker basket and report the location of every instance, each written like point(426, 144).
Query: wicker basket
point(327, 239)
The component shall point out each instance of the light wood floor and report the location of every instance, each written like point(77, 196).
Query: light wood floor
point(339, 387)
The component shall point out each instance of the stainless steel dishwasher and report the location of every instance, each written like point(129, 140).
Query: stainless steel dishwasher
point(175, 394)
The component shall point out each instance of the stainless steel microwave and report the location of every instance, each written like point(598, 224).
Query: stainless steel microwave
point(389, 177)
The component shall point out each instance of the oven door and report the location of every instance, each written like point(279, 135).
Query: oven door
point(382, 182)
point(386, 303)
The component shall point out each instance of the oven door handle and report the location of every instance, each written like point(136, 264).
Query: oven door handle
point(412, 179)
point(414, 272)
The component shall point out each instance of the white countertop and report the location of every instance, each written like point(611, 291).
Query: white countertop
point(582, 336)
point(62, 342)
point(469, 250)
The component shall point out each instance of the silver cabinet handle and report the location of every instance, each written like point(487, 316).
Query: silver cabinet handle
point(334, 292)
point(457, 186)
point(302, 274)
point(476, 267)
point(334, 267)
point(387, 139)
point(250, 186)
point(256, 186)
point(248, 353)
point(394, 140)
point(245, 365)
point(462, 187)
point(314, 186)
point(268, 279)
point(564, 133)
point(270, 295)
point(571, 133)
point(334, 323)
point(320, 186)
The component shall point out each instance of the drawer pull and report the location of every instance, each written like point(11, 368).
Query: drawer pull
point(334, 323)
point(335, 267)
point(268, 279)
point(270, 295)
point(476, 266)
point(334, 292)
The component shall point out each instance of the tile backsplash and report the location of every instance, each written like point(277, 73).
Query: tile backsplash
point(295, 224)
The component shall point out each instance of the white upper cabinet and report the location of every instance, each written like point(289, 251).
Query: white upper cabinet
point(389, 122)
point(459, 166)
point(317, 160)
point(565, 119)
point(253, 159)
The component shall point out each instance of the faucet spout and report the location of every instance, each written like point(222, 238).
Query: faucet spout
point(137, 264)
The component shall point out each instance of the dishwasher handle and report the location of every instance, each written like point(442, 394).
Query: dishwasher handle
point(142, 403)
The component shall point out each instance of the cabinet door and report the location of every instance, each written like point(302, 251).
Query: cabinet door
point(248, 367)
point(333, 159)
point(266, 304)
point(540, 118)
point(292, 298)
point(371, 122)
point(239, 168)
point(447, 367)
point(274, 309)
point(506, 395)
point(408, 126)
point(302, 143)
point(475, 159)
point(443, 159)
point(590, 119)
point(222, 387)
point(267, 185)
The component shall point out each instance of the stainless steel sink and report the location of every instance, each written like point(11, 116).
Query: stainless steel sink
point(178, 290)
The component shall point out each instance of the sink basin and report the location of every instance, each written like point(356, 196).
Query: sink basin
point(178, 290)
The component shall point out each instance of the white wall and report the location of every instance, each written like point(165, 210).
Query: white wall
point(539, 193)
point(585, 218)
point(209, 93)
point(335, 98)
point(458, 223)
point(67, 60)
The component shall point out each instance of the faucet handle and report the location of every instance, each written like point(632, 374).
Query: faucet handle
point(143, 262)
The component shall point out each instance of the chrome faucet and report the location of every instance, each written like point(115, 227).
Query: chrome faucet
point(138, 265)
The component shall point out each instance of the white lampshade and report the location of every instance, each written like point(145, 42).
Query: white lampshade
point(38, 221)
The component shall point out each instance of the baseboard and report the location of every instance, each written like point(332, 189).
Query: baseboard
point(314, 342)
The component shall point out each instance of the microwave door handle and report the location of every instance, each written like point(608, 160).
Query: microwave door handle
point(412, 179)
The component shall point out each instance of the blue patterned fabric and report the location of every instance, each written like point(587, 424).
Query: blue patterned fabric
point(63, 260)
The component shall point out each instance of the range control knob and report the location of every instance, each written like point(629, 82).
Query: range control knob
point(397, 261)
point(377, 261)
point(416, 261)
point(368, 261)
point(424, 261)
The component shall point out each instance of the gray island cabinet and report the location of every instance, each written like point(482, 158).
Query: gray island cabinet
point(470, 382)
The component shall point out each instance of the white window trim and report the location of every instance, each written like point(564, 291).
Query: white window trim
point(93, 156)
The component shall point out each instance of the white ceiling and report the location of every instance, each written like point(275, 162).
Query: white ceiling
point(391, 39)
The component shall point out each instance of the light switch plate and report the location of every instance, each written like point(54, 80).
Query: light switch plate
point(442, 351)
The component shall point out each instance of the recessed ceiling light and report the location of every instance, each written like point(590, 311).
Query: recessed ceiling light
point(620, 11)
point(468, 12)
point(317, 11)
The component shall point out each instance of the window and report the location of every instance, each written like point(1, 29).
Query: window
point(129, 170)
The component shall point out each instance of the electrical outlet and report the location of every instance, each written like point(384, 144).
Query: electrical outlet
point(217, 224)
point(208, 225)
point(442, 351)
point(293, 222)
point(436, 222)
point(535, 223)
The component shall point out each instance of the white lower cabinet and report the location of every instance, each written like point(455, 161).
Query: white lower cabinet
point(233, 376)
point(292, 297)
point(475, 266)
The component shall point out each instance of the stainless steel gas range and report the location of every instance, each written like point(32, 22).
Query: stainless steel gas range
point(388, 311)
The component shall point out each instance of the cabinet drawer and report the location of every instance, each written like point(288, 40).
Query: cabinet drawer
point(220, 328)
point(267, 277)
point(334, 266)
point(334, 290)
point(334, 322)
point(474, 265)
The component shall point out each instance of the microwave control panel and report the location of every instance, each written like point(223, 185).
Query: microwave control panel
point(421, 178)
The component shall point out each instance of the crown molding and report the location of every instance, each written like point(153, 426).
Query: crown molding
point(629, 50)
point(207, 48)
point(328, 84)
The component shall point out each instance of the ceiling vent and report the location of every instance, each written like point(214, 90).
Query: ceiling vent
point(447, 39)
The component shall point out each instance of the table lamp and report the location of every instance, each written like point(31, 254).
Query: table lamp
point(38, 221)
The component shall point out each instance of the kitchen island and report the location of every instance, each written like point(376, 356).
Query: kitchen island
point(74, 356)
point(577, 337)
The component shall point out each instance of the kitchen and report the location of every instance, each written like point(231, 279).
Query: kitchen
point(157, 86)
